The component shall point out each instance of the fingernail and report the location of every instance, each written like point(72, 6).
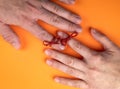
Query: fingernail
point(16, 45)
point(48, 52)
point(77, 19)
point(62, 34)
point(49, 62)
point(57, 80)
point(62, 47)
point(93, 30)
point(79, 29)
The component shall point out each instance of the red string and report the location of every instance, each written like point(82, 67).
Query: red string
point(59, 40)
point(65, 40)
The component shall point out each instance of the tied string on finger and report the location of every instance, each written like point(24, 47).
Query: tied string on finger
point(59, 40)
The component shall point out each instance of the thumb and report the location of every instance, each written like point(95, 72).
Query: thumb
point(103, 39)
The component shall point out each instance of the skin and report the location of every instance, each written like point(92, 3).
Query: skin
point(97, 70)
point(26, 13)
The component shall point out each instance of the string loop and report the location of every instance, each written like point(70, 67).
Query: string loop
point(59, 40)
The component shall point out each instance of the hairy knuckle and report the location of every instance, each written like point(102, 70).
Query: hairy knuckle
point(71, 15)
point(94, 54)
point(70, 62)
point(43, 1)
point(71, 26)
point(56, 8)
point(78, 45)
point(8, 37)
point(55, 19)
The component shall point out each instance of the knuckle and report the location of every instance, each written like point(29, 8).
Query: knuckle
point(43, 1)
point(97, 58)
point(8, 37)
point(55, 19)
point(94, 54)
point(56, 8)
point(70, 71)
point(43, 35)
point(70, 62)
point(71, 15)
point(71, 26)
point(43, 12)
point(78, 45)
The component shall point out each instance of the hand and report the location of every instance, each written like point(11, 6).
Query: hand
point(25, 13)
point(97, 70)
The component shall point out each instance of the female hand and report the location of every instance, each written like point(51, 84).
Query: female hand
point(25, 13)
point(97, 70)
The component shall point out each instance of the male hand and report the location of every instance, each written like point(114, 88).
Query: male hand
point(25, 13)
point(97, 70)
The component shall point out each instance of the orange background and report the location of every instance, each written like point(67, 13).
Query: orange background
point(26, 68)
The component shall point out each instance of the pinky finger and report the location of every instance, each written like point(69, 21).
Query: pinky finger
point(72, 82)
point(9, 35)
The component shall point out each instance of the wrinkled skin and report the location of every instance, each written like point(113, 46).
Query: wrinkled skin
point(97, 70)
point(26, 13)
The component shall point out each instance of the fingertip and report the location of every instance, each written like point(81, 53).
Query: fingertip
point(58, 47)
point(93, 30)
point(78, 29)
point(48, 52)
point(77, 19)
point(49, 62)
point(62, 34)
point(16, 45)
point(71, 41)
point(96, 34)
point(57, 79)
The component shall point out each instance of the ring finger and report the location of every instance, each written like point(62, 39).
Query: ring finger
point(67, 59)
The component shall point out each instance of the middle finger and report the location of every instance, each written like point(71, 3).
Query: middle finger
point(67, 59)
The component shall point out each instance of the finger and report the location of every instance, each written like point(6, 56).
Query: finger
point(103, 39)
point(9, 35)
point(72, 82)
point(38, 31)
point(68, 1)
point(55, 8)
point(67, 59)
point(66, 69)
point(60, 46)
point(53, 19)
point(62, 35)
point(30, 25)
point(81, 49)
